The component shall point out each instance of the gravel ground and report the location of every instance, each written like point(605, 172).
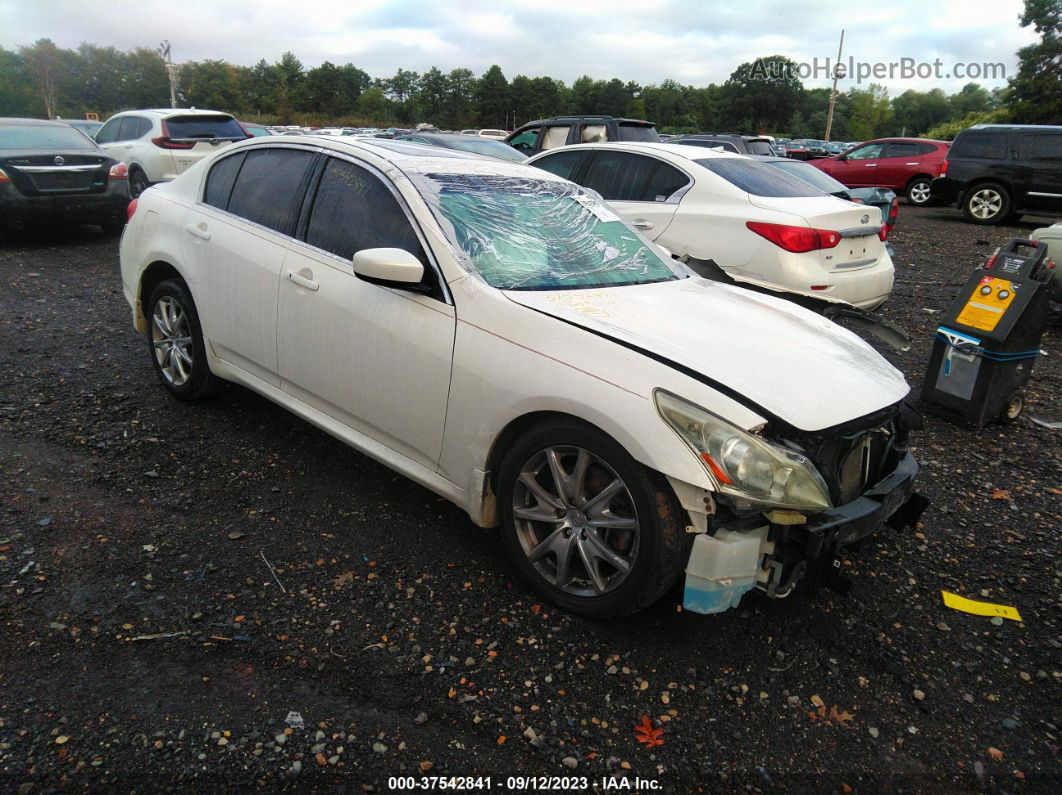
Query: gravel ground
point(145, 642)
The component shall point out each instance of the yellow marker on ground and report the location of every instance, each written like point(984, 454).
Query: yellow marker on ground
point(956, 602)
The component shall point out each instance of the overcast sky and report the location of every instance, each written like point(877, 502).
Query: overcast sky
point(692, 41)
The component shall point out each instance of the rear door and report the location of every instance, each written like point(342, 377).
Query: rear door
point(192, 137)
point(643, 189)
point(238, 236)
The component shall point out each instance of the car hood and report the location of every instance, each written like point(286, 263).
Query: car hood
point(786, 360)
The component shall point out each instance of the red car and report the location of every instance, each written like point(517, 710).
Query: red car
point(906, 165)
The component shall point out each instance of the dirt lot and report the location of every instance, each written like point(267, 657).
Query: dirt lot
point(144, 641)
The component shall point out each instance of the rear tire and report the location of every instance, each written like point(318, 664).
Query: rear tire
point(986, 204)
point(138, 182)
point(1014, 408)
point(175, 340)
point(587, 526)
point(918, 192)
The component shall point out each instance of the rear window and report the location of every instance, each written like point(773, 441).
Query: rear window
point(992, 146)
point(179, 127)
point(638, 132)
point(759, 148)
point(807, 172)
point(757, 178)
point(32, 136)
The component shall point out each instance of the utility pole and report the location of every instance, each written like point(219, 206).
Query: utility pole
point(173, 71)
point(833, 91)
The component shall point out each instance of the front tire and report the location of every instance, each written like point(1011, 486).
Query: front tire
point(175, 340)
point(587, 526)
point(986, 204)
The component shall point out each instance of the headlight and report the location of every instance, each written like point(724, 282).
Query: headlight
point(744, 465)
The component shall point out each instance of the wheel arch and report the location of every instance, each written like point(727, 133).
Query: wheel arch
point(150, 278)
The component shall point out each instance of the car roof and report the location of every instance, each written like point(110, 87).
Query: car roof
point(175, 112)
point(678, 150)
point(11, 121)
point(411, 157)
point(1016, 127)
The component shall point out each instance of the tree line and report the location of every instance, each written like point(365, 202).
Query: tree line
point(43, 79)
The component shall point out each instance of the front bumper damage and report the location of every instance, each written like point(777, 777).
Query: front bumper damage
point(735, 551)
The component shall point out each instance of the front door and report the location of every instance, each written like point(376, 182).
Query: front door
point(860, 166)
point(377, 359)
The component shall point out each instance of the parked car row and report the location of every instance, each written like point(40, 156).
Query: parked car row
point(502, 336)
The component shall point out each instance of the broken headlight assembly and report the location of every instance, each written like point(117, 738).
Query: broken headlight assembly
point(743, 465)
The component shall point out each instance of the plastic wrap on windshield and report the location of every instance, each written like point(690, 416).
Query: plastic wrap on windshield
point(523, 233)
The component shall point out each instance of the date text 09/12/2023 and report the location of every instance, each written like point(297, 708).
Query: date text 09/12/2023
point(610, 783)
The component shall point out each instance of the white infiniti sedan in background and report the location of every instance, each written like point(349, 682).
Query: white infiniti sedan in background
point(501, 337)
point(732, 217)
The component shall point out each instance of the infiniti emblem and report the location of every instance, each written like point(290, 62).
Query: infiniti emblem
point(59, 160)
point(864, 219)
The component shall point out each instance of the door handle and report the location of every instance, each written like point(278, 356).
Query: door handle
point(641, 223)
point(199, 231)
point(304, 279)
point(872, 165)
point(911, 164)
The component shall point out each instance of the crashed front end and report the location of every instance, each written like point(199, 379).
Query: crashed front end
point(844, 482)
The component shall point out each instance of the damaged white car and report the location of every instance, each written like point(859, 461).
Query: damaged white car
point(501, 337)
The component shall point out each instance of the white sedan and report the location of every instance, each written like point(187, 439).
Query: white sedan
point(500, 336)
point(733, 218)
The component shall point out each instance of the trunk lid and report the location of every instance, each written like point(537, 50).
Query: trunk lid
point(860, 246)
point(56, 173)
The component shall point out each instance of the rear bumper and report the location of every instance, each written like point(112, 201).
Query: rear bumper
point(17, 209)
point(946, 190)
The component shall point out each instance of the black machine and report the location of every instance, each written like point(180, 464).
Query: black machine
point(986, 346)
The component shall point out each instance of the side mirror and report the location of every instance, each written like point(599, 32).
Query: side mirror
point(388, 267)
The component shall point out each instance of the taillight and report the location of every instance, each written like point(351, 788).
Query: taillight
point(943, 169)
point(883, 233)
point(165, 143)
point(797, 239)
point(857, 201)
point(131, 209)
point(4, 177)
point(118, 171)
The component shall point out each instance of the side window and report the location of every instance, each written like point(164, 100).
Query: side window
point(563, 164)
point(127, 132)
point(554, 137)
point(143, 128)
point(992, 146)
point(664, 181)
point(901, 150)
point(268, 186)
point(108, 133)
point(620, 176)
point(593, 133)
point(868, 152)
point(220, 180)
point(354, 210)
point(926, 149)
point(525, 141)
point(1042, 147)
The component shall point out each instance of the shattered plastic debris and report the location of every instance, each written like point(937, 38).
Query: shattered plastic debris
point(956, 602)
point(294, 720)
point(1053, 425)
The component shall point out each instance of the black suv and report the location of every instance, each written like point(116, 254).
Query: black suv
point(538, 136)
point(729, 142)
point(994, 172)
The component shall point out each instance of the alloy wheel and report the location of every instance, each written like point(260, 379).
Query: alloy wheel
point(138, 183)
point(986, 203)
point(576, 521)
point(171, 339)
point(919, 193)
